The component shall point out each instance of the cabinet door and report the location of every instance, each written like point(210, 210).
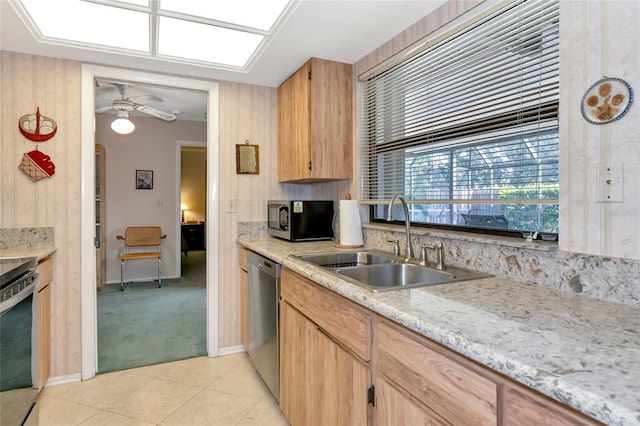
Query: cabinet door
point(294, 127)
point(296, 366)
point(331, 120)
point(244, 297)
point(320, 382)
point(394, 408)
point(44, 336)
point(340, 383)
point(244, 308)
point(45, 269)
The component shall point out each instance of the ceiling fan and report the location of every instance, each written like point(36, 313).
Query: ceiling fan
point(125, 105)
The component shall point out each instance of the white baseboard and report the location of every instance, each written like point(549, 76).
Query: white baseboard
point(63, 380)
point(231, 350)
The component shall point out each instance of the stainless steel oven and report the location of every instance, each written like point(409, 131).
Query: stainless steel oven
point(18, 344)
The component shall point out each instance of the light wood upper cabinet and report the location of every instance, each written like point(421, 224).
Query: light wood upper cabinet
point(315, 123)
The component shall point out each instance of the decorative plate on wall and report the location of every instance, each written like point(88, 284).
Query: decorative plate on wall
point(607, 100)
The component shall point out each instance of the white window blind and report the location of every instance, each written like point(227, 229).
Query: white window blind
point(470, 122)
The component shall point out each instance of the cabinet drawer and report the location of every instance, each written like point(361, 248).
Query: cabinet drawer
point(45, 268)
point(451, 390)
point(343, 320)
point(524, 407)
point(242, 258)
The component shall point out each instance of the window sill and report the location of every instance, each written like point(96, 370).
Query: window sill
point(546, 246)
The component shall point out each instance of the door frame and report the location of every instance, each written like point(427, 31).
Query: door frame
point(89, 312)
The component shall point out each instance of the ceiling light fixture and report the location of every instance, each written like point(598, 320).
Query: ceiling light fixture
point(122, 124)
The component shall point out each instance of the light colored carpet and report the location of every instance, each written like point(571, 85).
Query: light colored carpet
point(146, 325)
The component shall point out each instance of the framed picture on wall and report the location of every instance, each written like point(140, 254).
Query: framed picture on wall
point(144, 179)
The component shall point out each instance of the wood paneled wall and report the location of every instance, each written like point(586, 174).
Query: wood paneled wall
point(54, 85)
point(416, 32)
point(250, 113)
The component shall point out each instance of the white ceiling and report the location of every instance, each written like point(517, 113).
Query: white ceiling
point(340, 30)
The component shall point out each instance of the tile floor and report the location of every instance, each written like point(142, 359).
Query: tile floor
point(198, 391)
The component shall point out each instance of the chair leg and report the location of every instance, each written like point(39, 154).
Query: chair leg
point(159, 273)
point(121, 275)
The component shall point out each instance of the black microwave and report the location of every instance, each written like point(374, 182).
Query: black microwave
point(300, 220)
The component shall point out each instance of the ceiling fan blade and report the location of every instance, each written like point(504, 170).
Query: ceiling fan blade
point(155, 112)
point(145, 98)
point(103, 109)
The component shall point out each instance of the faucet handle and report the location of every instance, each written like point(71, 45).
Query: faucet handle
point(424, 259)
point(396, 247)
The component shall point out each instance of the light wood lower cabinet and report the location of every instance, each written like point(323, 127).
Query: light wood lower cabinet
point(322, 382)
point(45, 268)
point(450, 389)
point(528, 408)
point(332, 351)
point(396, 408)
point(244, 298)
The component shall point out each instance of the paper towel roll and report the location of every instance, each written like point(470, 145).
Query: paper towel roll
point(350, 225)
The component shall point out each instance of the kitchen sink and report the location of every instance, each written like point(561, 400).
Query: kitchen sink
point(395, 275)
point(379, 271)
point(342, 259)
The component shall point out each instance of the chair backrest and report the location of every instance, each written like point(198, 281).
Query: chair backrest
point(138, 236)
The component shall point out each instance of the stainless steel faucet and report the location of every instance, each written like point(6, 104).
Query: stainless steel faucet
point(408, 251)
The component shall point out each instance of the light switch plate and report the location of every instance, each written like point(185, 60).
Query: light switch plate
point(231, 205)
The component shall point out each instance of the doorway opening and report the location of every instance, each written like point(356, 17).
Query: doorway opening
point(88, 260)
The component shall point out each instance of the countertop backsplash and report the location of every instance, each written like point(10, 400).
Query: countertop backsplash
point(25, 238)
point(536, 263)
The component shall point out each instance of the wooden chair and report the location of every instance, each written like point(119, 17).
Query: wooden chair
point(141, 236)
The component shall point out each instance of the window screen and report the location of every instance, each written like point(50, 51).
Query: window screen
point(467, 129)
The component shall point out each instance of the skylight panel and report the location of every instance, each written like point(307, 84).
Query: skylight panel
point(208, 43)
point(259, 14)
point(143, 3)
point(91, 23)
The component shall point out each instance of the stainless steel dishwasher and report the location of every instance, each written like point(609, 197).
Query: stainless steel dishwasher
point(264, 291)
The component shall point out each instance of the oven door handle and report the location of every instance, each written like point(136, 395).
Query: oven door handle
point(30, 281)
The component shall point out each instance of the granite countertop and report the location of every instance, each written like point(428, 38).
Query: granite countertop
point(581, 351)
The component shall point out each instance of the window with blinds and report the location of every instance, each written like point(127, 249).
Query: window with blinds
point(467, 128)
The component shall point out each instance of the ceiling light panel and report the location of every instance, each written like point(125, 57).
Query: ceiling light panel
point(258, 14)
point(93, 23)
point(200, 42)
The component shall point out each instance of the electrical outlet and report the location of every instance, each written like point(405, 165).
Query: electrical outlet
point(612, 184)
